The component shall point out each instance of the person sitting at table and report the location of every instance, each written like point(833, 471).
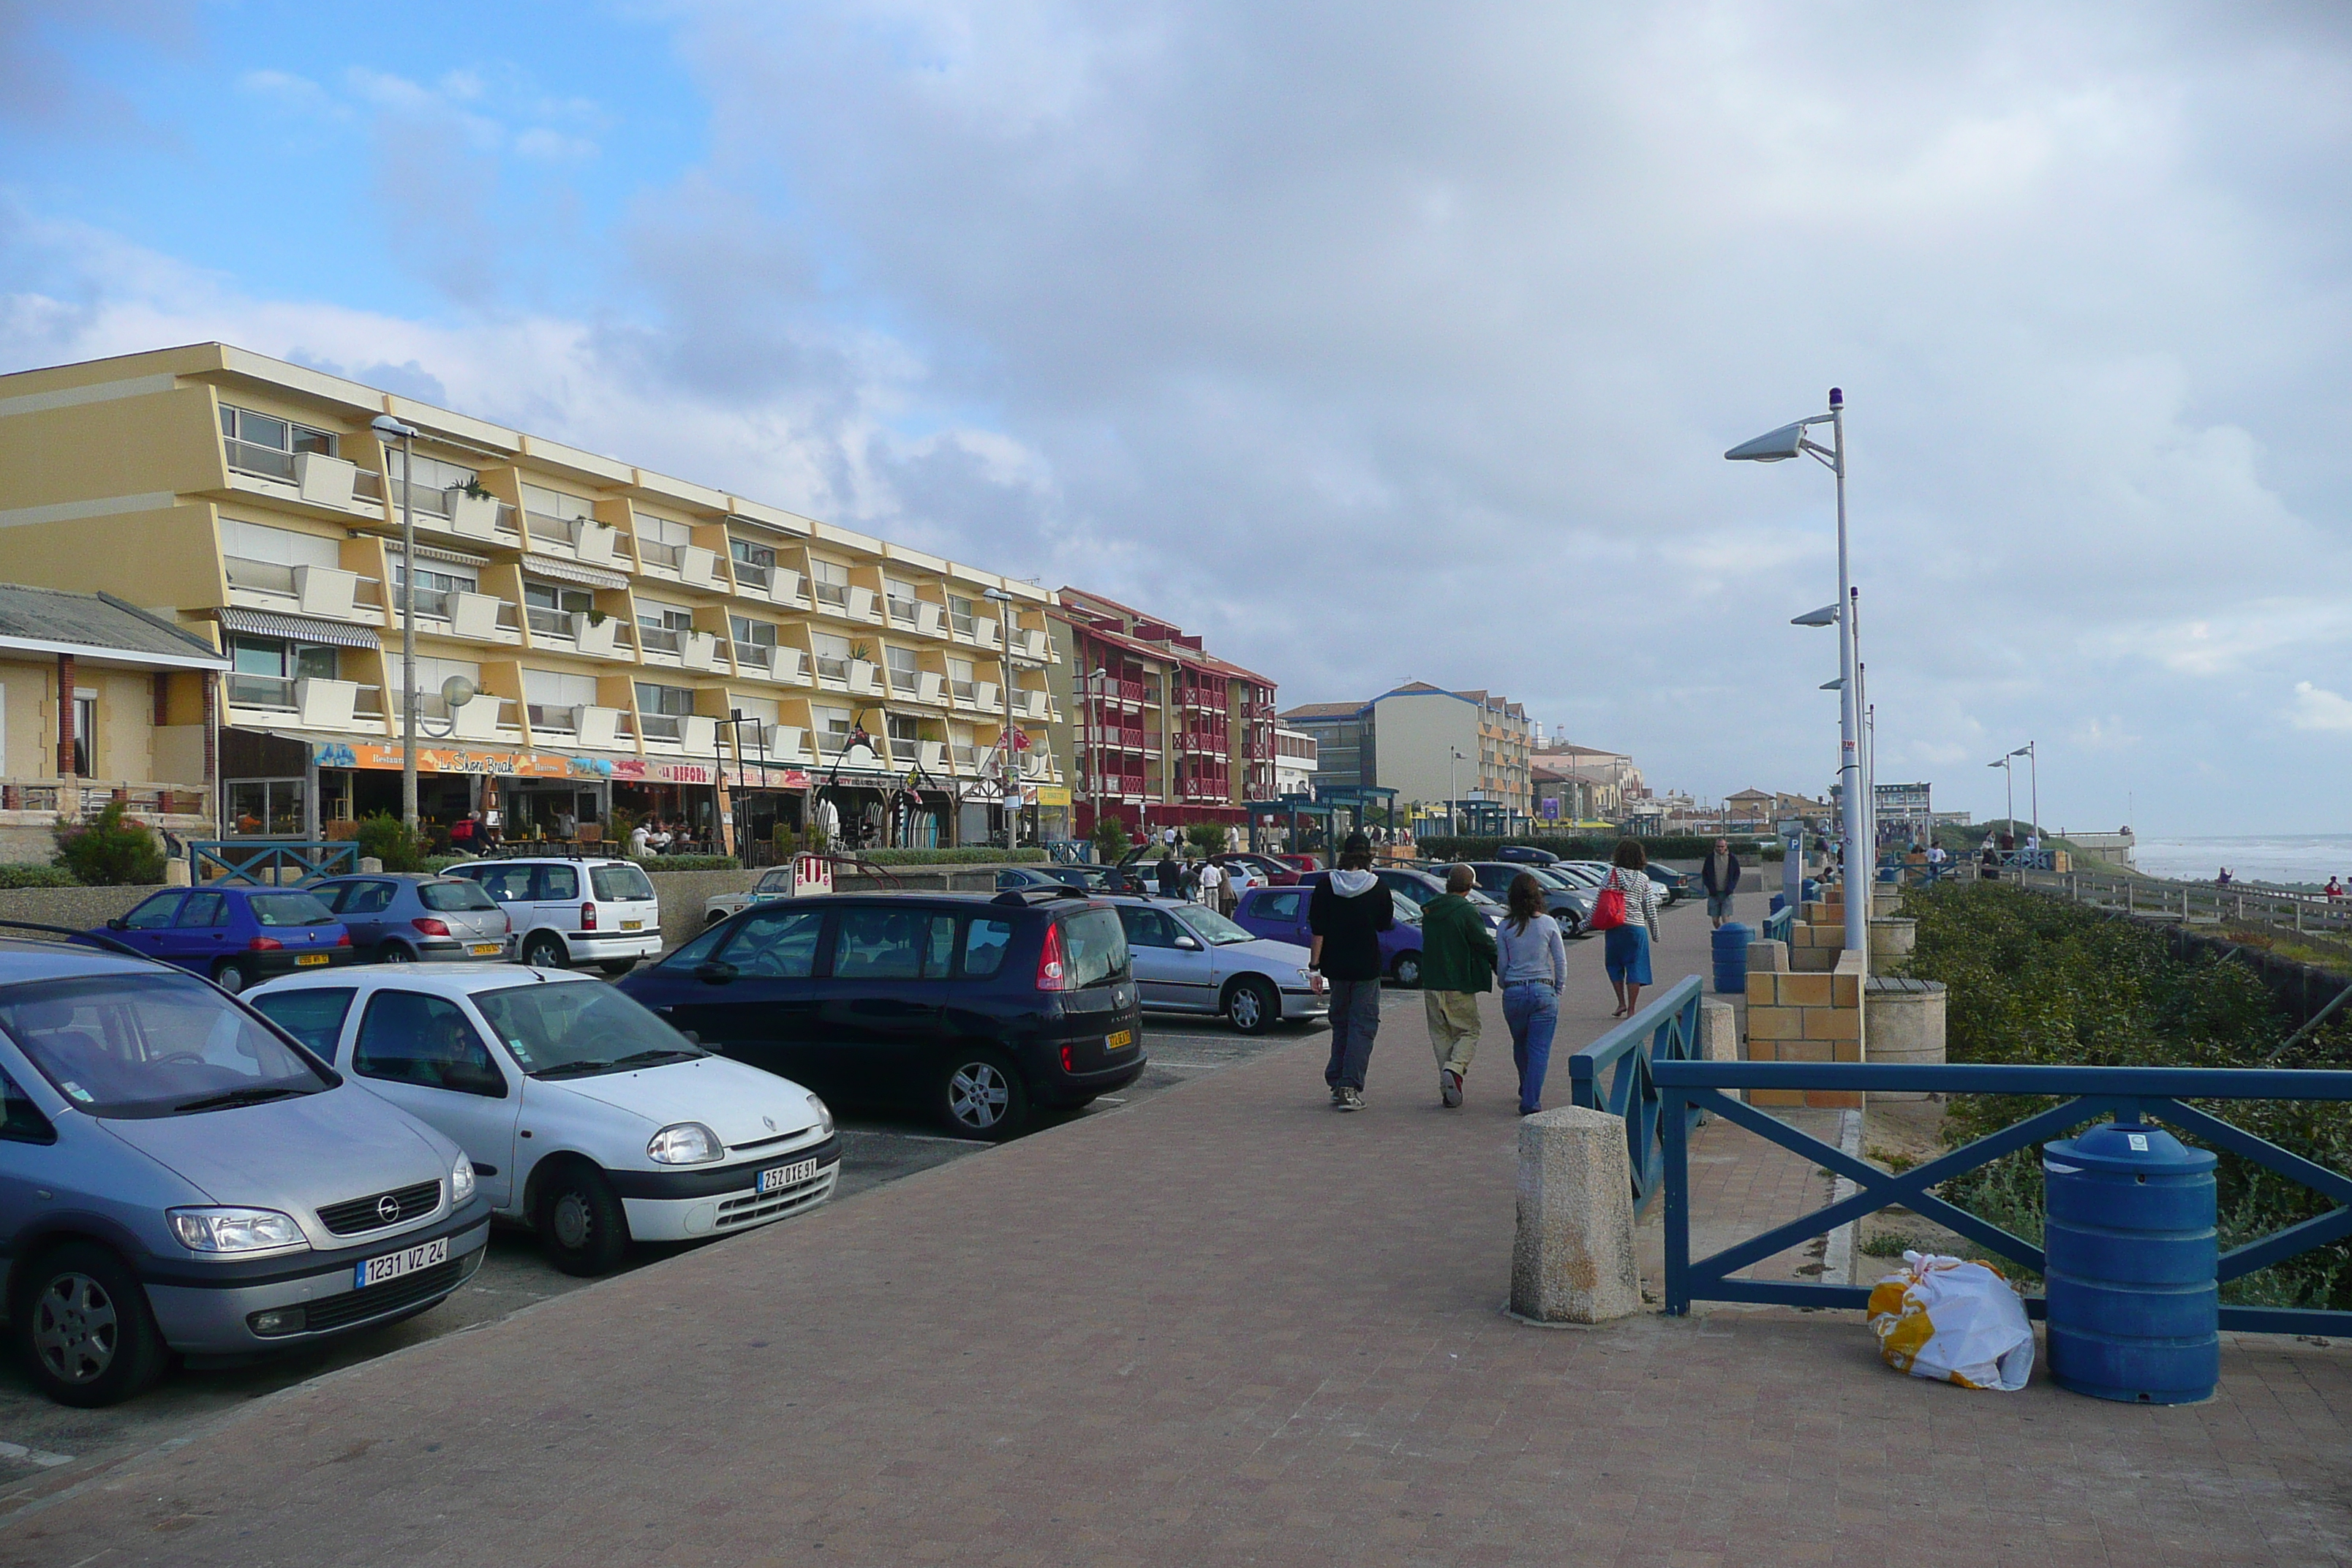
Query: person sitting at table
point(659, 839)
point(640, 842)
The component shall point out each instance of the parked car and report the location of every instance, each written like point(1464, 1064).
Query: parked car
point(1280, 913)
point(1083, 876)
point(1411, 886)
point(1268, 870)
point(1582, 873)
point(1562, 899)
point(974, 1009)
point(176, 1177)
point(776, 883)
point(566, 911)
point(1526, 854)
point(235, 936)
point(1301, 863)
point(1190, 959)
point(404, 918)
point(586, 1117)
point(1675, 885)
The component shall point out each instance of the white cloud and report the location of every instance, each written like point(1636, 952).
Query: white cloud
point(2318, 708)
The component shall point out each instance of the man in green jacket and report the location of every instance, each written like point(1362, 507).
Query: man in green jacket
point(1457, 962)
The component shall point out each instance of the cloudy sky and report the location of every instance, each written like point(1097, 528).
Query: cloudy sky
point(1375, 342)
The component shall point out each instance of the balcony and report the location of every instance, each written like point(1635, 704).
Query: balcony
point(902, 613)
point(784, 744)
point(931, 689)
point(659, 559)
point(688, 732)
point(752, 578)
point(932, 755)
point(323, 591)
point(680, 646)
point(787, 586)
point(1028, 642)
point(1031, 703)
point(965, 759)
point(849, 602)
point(986, 632)
point(698, 568)
point(312, 702)
point(598, 728)
point(310, 477)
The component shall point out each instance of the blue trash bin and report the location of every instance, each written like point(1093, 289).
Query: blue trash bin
point(1730, 944)
point(2135, 1314)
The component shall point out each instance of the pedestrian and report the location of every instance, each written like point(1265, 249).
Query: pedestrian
point(1191, 881)
point(1457, 964)
point(1626, 947)
point(2334, 889)
point(1213, 885)
point(1534, 965)
point(1720, 873)
point(1345, 916)
point(1170, 875)
point(640, 842)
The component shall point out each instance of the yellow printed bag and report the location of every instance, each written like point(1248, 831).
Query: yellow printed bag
point(1953, 1322)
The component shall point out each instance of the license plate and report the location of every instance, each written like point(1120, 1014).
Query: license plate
point(633, 925)
point(393, 1265)
point(488, 949)
point(309, 959)
point(1118, 1041)
point(777, 1178)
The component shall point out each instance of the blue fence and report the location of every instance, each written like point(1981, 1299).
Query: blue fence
point(268, 864)
point(1615, 1074)
point(1778, 925)
point(1683, 1089)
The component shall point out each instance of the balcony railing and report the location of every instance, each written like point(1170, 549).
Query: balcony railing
point(751, 575)
point(426, 499)
point(835, 594)
point(555, 530)
point(662, 726)
point(903, 611)
point(275, 691)
point(659, 639)
point(268, 461)
point(547, 719)
point(546, 623)
point(903, 679)
point(831, 669)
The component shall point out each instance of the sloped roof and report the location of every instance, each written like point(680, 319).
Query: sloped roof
point(46, 620)
point(1323, 710)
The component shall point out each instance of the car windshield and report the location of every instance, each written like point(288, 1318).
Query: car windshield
point(1096, 946)
point(614, 883)
point(453, 895)
point(290, 910)
point(151, 1045)
point(1211, 927)
point(574, 1028)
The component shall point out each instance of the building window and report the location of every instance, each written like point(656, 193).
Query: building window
point(905, 733)
point(264, 808)
point(755, 564)
point(553, 698)
point(258, 444)
point(85, 727)
point(263, 670)
point(959, 614)
point(901, 596)
point(832, 656)
point(436, 585)
point(663, 627)
point(832, 729)
point(831, 580)
point(263, 559)
point(752, 637)
point(903, 670)
point(549, 607)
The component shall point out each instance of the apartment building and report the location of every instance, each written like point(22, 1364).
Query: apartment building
point(1165, 734)
point(635, 642)
point(1463, 752)
point(1295, 763)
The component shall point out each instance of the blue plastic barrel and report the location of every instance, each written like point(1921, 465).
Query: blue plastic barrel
point(2135, 1314)
point(1730, 942)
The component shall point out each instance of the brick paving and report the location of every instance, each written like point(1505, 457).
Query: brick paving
point(1225, 1325)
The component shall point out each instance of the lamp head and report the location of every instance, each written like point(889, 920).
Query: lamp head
point(1837, 685)
point(1774, 447)
point(1837, 399)
point(2026, 750)
point(1827, 615)
point(392, 429)
point(456, 691)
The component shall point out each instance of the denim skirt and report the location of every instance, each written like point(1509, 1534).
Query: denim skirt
point(1626, 950)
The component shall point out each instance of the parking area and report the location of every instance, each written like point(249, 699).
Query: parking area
point(45, 1447)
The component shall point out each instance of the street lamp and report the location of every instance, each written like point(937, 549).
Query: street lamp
point(1778, 445)
point(1008, 763)
point(1097, 725)
point(2033, 761)
point(387, 428)
point(1453, 793)
point(2009, 777)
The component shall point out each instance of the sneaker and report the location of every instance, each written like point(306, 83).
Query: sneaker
point(1338, 1095)
point(1449, 1088)
point(1351, 1100)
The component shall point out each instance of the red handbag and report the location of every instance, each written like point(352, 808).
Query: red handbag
point(1609, 909)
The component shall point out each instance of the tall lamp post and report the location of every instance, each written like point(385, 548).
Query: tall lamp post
point(1453, 793)
point(1008, 763)
point(2009, 777)
point(2033, 761)
point(387, 428)
point(1778, 445)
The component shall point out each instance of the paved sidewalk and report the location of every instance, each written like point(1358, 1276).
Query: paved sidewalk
point(1225, 1325)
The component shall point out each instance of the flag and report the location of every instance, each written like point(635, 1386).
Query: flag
point(1020, 739)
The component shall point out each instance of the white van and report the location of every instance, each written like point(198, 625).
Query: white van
point(568, 912)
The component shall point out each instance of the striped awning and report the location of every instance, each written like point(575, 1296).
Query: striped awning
point(572, 572)
point(452, 557)
point(298, 629)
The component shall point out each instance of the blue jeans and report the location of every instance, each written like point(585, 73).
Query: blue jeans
point(1355, 1024)
point(1531, 1007)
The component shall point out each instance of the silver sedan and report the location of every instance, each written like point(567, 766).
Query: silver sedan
point(1189, 959)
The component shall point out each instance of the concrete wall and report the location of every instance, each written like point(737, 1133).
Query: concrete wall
point(1418, 734)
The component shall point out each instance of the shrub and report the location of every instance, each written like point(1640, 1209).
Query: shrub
point(1111, 839)
point(386, 837)
point(110, 852)
point(36, 877)
point(1206, 838)
point(692, 863)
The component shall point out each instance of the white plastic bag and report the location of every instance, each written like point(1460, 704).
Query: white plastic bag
point(1954, 1322)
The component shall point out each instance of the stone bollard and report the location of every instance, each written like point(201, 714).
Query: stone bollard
point(1768, 957)
point(1892, 938)
point(1574, 1260)
point(1718, 1031)
point(175, 873)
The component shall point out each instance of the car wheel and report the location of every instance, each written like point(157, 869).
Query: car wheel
point(713, 918)
point(231, 975)
point(980, 1096)
point(618, 967)
point(579, 1221)
point(1571, 925)
point(545, 951)
point(83, 1328)
point(1252, 1006)
point(394, 952)
point(1407, 969)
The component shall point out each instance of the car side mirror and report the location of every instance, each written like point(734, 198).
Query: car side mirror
point(714, 973)
point(1188, 944)
point(689, 1036)
point(118, 923)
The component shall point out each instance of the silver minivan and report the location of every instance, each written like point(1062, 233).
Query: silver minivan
point(178, 1175)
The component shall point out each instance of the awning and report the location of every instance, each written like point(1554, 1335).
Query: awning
point(434, 553)
point(300, 628)
point(572, 572)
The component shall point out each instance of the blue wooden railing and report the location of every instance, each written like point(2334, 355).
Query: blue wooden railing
point(1683, 1088)
point(1778, 923)
point(269, 863)
point(1615, 1074)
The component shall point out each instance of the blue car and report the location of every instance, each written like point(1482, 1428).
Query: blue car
point(235, 937)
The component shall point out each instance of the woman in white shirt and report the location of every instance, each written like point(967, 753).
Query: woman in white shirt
point(1626, 948)
point(1533, 963)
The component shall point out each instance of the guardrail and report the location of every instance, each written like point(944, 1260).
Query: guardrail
point(1780, 922)
point(1686, 1088)
point(2209, 901)
point(268, 864)
point(1616, 1073)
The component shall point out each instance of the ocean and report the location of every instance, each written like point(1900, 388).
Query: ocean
point(2310, 857)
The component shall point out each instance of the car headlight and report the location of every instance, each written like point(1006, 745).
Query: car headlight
point(685, 1144)
point(234, 1229)
point(823, 1116)
point(461, 1182)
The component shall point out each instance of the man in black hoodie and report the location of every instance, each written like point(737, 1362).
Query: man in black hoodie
point(1347, 913)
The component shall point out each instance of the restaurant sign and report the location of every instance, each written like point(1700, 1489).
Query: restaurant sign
point(375, 755)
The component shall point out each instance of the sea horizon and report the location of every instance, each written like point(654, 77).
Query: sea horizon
point(2283, 857)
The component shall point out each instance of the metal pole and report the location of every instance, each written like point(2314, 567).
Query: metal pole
point(408, 631)
point(1857, 908)
point(2035, 758)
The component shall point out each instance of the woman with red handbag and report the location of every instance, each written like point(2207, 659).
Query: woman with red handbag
point(1626, 914)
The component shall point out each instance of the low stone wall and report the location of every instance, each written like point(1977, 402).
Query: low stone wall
point(80, 908)
point(1807, 1017)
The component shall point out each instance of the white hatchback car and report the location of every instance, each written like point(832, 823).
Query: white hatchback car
point(565, 911)
point(585, 1116)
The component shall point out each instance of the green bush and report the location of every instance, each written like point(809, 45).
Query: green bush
point(110, 852)
point(2036, 980)
point(1206, 838)
point(1111, 839)
point(386, 837)
point(691, 863)
point(37, 877)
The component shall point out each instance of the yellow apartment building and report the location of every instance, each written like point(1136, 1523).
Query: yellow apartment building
point(638, 643)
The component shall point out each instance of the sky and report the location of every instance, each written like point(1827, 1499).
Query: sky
point(1373, 341)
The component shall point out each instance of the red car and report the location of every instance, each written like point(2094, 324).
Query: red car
point(1301, 862)
point(1273, 870)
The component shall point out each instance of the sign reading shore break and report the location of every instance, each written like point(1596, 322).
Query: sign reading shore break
point(375, 755)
